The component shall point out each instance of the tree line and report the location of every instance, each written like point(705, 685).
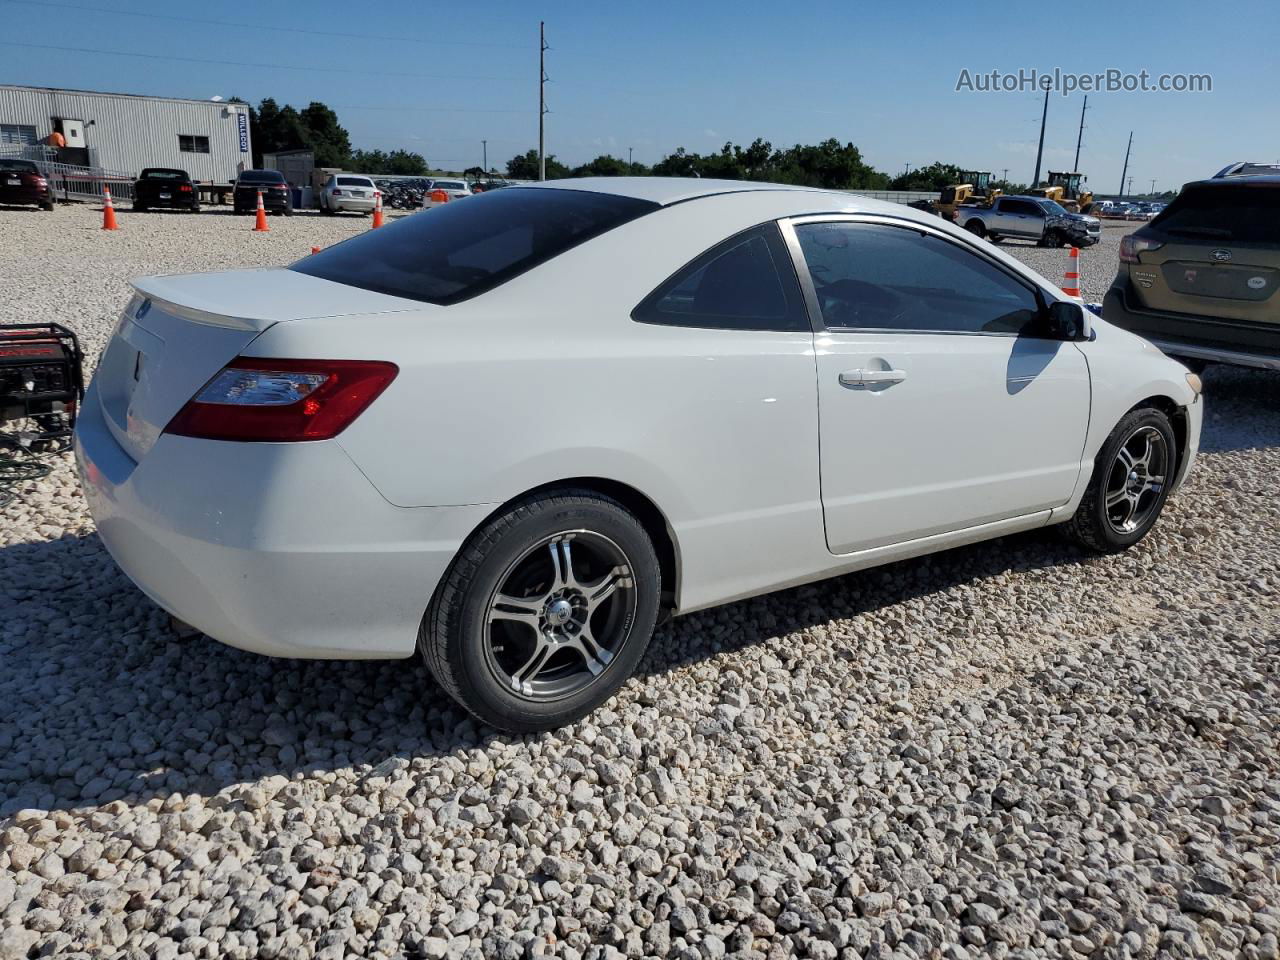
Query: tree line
point(831, 163)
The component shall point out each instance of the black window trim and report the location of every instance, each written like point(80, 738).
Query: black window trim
point(783, 274)
point(792, 241)
point(193, 138)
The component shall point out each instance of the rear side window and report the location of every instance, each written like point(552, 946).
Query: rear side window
point(745, 283)
point(457, 251)
point(1242, 213)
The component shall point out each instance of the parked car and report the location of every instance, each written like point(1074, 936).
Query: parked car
point(1200, 279)
point(1031, 218)
point(345, 191)
point(277, 196)
point(452, 189)
point(22, 184)
point(537, 422)
point(164, 187)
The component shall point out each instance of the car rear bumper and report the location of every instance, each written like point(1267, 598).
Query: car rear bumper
point(21, 196)
point(1204, 338)
point(274, 202)
point(184, 202)
point(279, 549)
point(353, 204)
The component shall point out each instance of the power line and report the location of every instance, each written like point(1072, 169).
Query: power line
point(241, 63)
point(240, 25)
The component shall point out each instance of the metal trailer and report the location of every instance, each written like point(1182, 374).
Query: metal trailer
point(124, 133)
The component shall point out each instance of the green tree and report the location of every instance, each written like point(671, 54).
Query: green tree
point(275, 128)
point(525, 167)
point(602, 166)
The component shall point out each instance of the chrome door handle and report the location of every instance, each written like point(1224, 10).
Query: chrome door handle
point(883, 376)
point(851, 378)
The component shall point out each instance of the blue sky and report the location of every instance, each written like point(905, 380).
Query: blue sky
point(659, 75)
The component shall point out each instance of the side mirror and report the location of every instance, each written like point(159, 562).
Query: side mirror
point(1068, 321)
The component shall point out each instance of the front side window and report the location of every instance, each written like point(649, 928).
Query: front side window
point(877, 277)
point(193, 144)
point(459, 250)
point(744, 283)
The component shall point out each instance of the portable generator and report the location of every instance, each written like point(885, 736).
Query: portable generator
point(41, 381)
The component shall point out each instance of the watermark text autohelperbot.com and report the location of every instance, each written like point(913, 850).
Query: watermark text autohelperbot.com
point(1065, 83)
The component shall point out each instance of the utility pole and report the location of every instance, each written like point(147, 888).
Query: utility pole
point(1153, 187)
point(1004, 175)
point(485, 143)
point(1075, 167)
point(1035, 181)
point(906, 168)
point(631, 167)
point(542, 98)
point(1125, 172)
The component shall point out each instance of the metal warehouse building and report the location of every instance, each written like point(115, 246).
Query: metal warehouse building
point(122, 133)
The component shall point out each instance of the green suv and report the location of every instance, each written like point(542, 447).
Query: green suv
point(1199, 281)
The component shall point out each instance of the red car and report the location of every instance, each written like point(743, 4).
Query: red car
point(21, 182)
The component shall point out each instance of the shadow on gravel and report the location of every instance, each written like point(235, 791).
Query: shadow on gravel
point(1242, 409)
point(100, 701)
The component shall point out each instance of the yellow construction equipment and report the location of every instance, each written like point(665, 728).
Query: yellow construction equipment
point(1067, 189)
point(975, 191)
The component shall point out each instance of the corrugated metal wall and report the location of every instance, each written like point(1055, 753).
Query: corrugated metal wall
point(129, 133)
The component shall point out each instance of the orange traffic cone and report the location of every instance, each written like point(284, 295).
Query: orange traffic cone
point(377, 209)
point(108, 211)
point(261, 225)
point(1071, 279)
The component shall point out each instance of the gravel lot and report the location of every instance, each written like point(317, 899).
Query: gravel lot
point(1010, 750)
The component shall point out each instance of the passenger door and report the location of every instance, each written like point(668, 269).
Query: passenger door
point(941, 404)
point(1020, 219)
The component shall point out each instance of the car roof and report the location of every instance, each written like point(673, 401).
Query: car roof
point(666, 191)
point(1256, 180)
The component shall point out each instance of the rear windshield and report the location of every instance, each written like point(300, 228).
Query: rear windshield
point(354, 182)
point(164, 175)
point(18, 166)
point(1242, 213)
point(262, 176)
point(448, 185)
point(455, 251)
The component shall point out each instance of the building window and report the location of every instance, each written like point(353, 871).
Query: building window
point(17, 133)
point(190, 144)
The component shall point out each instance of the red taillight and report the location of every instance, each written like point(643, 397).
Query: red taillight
point(1132, 245)
point(185, 188)
point(279, 186)
point(282, 401)
point(337, 192)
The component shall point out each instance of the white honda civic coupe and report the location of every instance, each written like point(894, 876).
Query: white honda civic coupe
point(514, 433)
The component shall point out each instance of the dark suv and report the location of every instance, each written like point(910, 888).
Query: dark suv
point(164, 187)
point(276, 195)
point(1199, 281)
point(21, 182)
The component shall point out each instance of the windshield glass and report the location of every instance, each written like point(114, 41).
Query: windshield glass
point(448, 185)
point(458, 250)
point(1052, 206)
point(17, 166)
point(1242, 213)
point(164, 175)
point(354, 182)
point(262, 176)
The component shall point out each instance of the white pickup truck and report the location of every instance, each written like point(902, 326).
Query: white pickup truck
point(1030, 218)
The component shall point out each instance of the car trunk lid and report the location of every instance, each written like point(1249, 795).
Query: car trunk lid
point(179, 331)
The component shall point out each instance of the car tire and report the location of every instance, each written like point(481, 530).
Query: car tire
point(994, 237)
point(572, 640)
point(47, 207)
point(139, 208)
point(1121, 504)
point(977, 228)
